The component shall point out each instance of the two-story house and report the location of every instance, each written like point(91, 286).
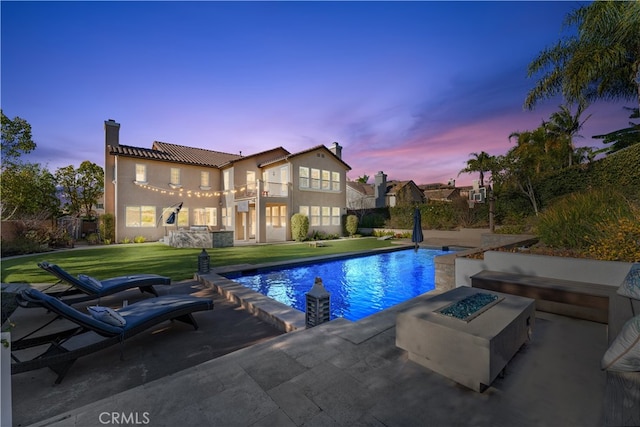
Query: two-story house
point(254, 196)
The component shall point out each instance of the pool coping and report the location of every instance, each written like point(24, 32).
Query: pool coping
point(283, 317)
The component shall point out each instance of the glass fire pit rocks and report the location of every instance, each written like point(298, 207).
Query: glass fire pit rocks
point(470, 307)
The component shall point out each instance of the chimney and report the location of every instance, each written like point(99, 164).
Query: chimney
point(380, 189)
point(336, 149)
point(112, 133)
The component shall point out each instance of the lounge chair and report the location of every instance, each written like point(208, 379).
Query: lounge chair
point(91, 334)
point(94, 289)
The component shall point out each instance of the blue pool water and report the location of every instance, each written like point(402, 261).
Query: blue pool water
point(358, 286)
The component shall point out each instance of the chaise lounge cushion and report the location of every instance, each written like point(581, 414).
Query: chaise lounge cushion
point(91, 282)
point(107, 315)
point(624, 353)
point(630, 287)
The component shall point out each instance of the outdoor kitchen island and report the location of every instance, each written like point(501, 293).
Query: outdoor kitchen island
point(471, 349)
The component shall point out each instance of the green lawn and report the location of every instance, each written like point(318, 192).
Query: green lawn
point(178, 264)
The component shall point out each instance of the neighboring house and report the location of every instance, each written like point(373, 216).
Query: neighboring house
point(360, 196)
point(382, 193)
point(402, 193)
point(446, 194)
point(254, 196)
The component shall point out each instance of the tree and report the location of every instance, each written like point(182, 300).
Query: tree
point(81, 188)
point(363, 179)
point(481, 163)
point(601, 61)
point(623, 138)
point(16, 139)
point(532, 156)
point(565, 127)
point(27, 191)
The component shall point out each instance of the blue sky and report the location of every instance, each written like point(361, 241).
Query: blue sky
point(409, 88)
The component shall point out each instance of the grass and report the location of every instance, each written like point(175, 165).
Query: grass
point(178, 264)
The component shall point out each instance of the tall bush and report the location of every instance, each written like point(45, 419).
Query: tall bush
point(573, 221)
point(299, 227)
point(351, 224)
point(107, 227)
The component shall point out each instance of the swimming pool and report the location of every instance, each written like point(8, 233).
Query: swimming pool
point(358, 286)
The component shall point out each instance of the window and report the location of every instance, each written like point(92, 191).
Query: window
point(140, 216)
point(326, 180)
point(225, 180)
point(314, 218)
point(226, 216)
point(283, 216)
point(315, 179)
point(335, 181)
point(205, 216)
point(326, 215)
point(141, 172)
point(284, 180)
point(304, 177)
point(175, 178)
point(335, 215)
point(276, 216)
point(183, 217)
point(304, 210)
point(251, 183)
point(205, 183)
point(267, 215)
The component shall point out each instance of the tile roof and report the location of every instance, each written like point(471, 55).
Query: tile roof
point(366, 189)
point(198, 156)
point(281, 149)
point(317, 147)
point(164, 151)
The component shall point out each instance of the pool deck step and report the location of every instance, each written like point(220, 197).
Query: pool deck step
point(280, 315)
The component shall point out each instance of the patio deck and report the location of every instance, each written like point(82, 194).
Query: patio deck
point(344, 374)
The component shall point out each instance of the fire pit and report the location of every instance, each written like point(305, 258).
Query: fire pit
point(466, 335)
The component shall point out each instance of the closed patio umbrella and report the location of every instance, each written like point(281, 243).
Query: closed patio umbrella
point(417, 236)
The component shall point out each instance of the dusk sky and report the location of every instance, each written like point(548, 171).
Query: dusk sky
point(408, 88)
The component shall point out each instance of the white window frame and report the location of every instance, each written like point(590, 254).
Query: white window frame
point(336, 215)
point(205, 180)
point(205, 216)
point(314, 216)
point(141, 173)
point(175, 178)
point(315, 179)
point(335, 181)
point(304, 176)
point(140, 211)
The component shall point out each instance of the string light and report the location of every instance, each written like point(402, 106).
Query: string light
point(189, 193)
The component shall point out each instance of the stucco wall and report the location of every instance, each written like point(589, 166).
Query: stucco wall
point(580, 270)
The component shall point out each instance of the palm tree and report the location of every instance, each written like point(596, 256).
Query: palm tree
point(602, 61)
point(565, 127)
point(481, 163)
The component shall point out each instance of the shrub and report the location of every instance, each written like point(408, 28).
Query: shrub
point(617, 240)
point(571, 221)
point(299, 227)
point(107, 227)
point(93, 239)
point(351, 224)
point(139, 239)
point(126, 240)
point(20, 246)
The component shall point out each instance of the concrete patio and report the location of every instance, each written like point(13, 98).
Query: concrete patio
point(344, 374)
